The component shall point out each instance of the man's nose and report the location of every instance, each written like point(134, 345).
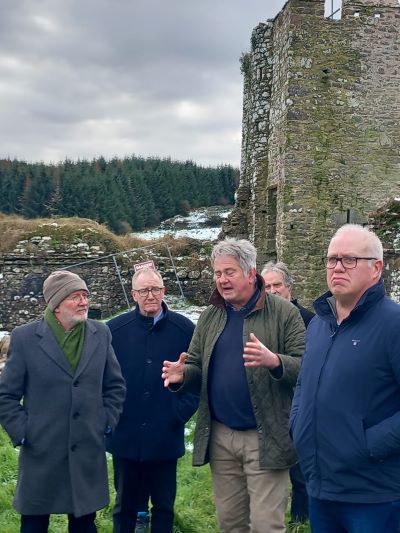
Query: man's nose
point(339, 266)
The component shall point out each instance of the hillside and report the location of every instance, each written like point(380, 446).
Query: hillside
point(74, 230)
point(126, 194)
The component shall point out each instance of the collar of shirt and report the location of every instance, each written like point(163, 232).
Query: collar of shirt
point(250, 304)
point(159, 316)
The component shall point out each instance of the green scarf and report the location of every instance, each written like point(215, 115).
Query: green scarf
point(70, 342)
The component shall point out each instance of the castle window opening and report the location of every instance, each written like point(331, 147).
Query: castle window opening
point(333, 9)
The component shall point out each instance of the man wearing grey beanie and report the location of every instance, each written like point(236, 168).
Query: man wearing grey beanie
point(61, 392)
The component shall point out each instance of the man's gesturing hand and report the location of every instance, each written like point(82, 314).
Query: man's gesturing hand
point(256, 354)
point(172, 371)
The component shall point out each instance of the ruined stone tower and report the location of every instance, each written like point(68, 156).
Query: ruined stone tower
point(321, 130)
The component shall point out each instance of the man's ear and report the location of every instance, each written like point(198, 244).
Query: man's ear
point(252, 274)
point(378, 267)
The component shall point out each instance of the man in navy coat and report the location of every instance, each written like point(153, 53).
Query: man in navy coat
point(345, 417)
point(149, 437)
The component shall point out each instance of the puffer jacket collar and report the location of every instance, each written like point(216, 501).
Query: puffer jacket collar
point(324, 309)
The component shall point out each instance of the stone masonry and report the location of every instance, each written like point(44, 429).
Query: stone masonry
point(321, 130)
point(23, 270)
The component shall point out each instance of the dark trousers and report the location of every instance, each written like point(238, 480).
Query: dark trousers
point(299, 505)
point(342, 517)
point(131, 478)
point(40, 523)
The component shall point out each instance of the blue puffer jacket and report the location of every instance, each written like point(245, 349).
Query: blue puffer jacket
point(151, 426)
point(345, 418)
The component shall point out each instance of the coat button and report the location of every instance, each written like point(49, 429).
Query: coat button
point(76, 383)
point(149, 360)
point(75, 416)
point(73, 447)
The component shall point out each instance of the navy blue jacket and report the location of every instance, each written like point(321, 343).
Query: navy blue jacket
point(345, 418)
point(151, 426)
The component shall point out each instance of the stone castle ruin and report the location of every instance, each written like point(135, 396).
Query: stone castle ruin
point(321, 131)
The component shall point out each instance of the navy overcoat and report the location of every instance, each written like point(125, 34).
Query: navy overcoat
point(151, 427)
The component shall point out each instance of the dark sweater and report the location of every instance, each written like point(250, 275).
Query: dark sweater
point(229, 394)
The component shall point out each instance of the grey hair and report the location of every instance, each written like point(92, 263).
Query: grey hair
point(146, 270)
point(375, 247)
point(242, 250)
point(279, 268)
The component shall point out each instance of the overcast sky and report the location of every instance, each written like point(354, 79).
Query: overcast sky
point(83, 78)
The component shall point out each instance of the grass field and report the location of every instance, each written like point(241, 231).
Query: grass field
point(194, 508)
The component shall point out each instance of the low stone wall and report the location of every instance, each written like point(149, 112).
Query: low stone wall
point(23, 271)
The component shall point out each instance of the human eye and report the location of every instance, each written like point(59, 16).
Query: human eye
point(348, 261)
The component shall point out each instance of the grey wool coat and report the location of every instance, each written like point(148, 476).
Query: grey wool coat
point(62, 418)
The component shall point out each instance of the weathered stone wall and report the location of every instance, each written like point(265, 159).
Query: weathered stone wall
point(23, 271)
point(386, 223)
point(321, 130)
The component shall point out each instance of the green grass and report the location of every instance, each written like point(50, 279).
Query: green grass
point(194, 507)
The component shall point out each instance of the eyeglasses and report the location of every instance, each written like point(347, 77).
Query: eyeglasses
point(78, 297)
point(155, 291)
point(347, 262)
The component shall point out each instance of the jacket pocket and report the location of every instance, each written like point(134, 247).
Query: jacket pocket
point(349, 446)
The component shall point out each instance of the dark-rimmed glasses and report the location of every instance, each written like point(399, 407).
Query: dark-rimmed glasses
point(155, 291)
point(347, 262)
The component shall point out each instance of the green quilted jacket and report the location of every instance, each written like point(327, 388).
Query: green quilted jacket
point(278, 325)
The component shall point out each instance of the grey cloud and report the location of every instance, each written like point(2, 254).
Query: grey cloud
point(155, 77)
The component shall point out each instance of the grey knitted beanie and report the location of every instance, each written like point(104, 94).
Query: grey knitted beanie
point(61, 284)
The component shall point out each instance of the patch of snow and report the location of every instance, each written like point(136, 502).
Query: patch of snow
point(180, 305)
point(203, 234)
point(195, 225)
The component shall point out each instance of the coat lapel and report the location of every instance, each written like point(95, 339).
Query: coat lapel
point(89, 347)
point(51, 348)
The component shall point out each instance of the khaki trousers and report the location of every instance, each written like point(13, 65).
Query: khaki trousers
point(247, 499)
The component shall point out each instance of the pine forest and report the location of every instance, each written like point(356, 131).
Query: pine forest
point(125, 194)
